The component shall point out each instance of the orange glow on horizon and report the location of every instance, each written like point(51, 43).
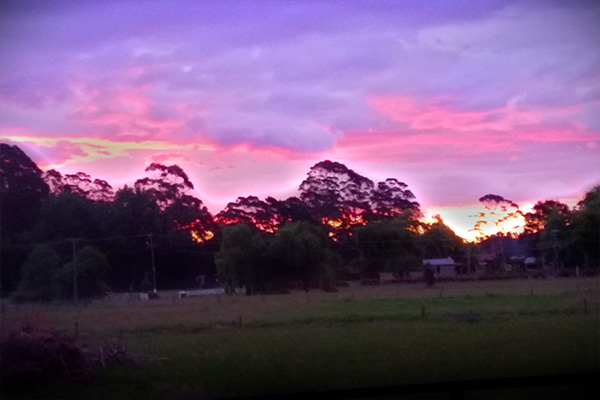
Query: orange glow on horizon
point(271, 226)
point(95, 148)
point(347, 222)
point(197, 231)
point(201, 237)
point(474, 223)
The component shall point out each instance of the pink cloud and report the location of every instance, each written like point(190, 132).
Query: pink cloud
point(556, 135)
point(434, 114)
point(418, 147)
point(429, 126)
point(126, 113)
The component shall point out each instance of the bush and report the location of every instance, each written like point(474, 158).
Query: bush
point(589, 272)
point(38, 275)
point(566, 272)
point(91, 268)
point(33, 358)
point(32, 361)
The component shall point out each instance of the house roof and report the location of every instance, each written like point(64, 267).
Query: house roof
point(439, 261)
point(530, 260)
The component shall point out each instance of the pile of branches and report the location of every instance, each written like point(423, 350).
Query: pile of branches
point(32, 360)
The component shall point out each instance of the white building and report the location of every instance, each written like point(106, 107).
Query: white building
point(441, 266)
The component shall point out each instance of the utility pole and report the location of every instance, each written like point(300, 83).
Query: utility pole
point(75, 290)
point(151, 245)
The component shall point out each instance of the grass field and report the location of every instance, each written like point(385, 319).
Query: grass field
point(223, 346)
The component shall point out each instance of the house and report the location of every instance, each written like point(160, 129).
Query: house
point(441, 266)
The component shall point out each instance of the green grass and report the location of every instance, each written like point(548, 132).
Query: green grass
point(357, 338)
point(491, 307)
point(253, 361)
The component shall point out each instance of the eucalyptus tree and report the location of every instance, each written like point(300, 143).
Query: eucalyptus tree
point(388, 245)
point(171, 189)
point(300, 250)
point(392, 197)
point(241, 259)
point(23, 193)
point(337, 196)
point(585, 230)
point(80, 184)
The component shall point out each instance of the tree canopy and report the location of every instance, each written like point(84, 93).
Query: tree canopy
point(341, 224)
point(22, 191)
point(536, 221)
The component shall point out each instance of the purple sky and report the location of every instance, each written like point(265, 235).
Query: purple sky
point(456, 98)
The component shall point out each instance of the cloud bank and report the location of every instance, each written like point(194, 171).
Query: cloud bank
point(457, 99)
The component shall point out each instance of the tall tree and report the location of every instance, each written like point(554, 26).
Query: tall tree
point(585, 228)
point(392, 198)
point(80, 184)
point(171, 188)
point(552, 240)
point(134, 212)
point(291, 209)
point(300, 248)
point(22, 195)
point(165, 183)
point(502, 216)
point(536, 220)
point(253, 211)
point(22, 191)
point(337, 196)
point(439, 241)
point(388, 246)
point(240, 261)
point(68, 215)
point(131, 218)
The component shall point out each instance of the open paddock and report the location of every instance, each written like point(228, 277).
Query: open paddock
point(360, 336)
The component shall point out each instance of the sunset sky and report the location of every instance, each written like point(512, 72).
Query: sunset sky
point(457, 99)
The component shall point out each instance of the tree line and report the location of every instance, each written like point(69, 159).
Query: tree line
point(342, 224)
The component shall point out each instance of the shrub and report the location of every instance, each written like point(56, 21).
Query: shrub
point(35, 357)
point(38, 275)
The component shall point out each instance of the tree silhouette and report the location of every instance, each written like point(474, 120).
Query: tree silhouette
point(439, 241)
point(300, 248)
point(92, 266)
point(165, 183)
point(536, 221)
point(69, 215)
point(22, 195)
point(171, 188)
point(585, 228)
point(337, 196)
point(392, 198)
point(38, 280)
point(240, 260)
point(22, 191)
point(291, 209)
point(252, 211)
point(389, 246)
point(504, 214)
point(80, 184)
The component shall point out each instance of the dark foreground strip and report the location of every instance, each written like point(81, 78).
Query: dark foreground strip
point(586, 386)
